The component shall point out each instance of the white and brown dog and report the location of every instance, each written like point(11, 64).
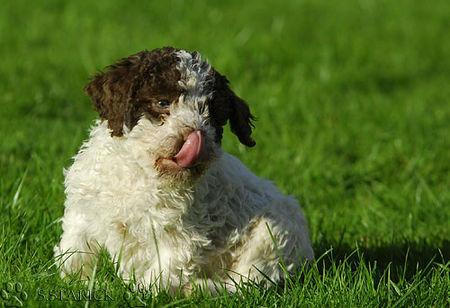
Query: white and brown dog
point(154, 188)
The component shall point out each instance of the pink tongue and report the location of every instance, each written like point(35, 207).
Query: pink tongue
point(190, 150)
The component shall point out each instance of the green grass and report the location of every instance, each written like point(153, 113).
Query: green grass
point(352, 101)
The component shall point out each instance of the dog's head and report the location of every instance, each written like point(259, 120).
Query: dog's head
point(172, 105)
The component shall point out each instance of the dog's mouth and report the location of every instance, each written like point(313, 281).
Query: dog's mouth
point(192, 152)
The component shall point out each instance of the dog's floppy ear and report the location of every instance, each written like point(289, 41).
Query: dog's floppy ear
point(111, 91)
point(226, 105)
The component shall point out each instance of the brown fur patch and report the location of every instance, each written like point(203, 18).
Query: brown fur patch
point(131, 87)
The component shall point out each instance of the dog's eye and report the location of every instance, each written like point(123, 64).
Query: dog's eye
point(163, 104)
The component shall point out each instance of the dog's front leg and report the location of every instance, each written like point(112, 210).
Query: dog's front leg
point(76, 253)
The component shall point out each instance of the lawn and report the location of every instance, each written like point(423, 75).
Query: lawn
point(353, 109)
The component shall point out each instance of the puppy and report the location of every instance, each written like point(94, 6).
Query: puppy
point(153, 187)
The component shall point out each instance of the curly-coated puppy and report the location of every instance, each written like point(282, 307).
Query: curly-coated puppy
point(153, 187)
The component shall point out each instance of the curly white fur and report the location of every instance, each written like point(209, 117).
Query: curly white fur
point(171, 233)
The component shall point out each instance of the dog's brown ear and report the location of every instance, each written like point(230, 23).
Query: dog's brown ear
point(111, 91)
point(226, 106)
point(241, 121)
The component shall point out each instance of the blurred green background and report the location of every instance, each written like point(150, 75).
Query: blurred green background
point(351, 97)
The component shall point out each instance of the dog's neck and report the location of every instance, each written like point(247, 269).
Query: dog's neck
point(171, 202)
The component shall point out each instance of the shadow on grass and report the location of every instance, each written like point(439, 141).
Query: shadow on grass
point(407, 258)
